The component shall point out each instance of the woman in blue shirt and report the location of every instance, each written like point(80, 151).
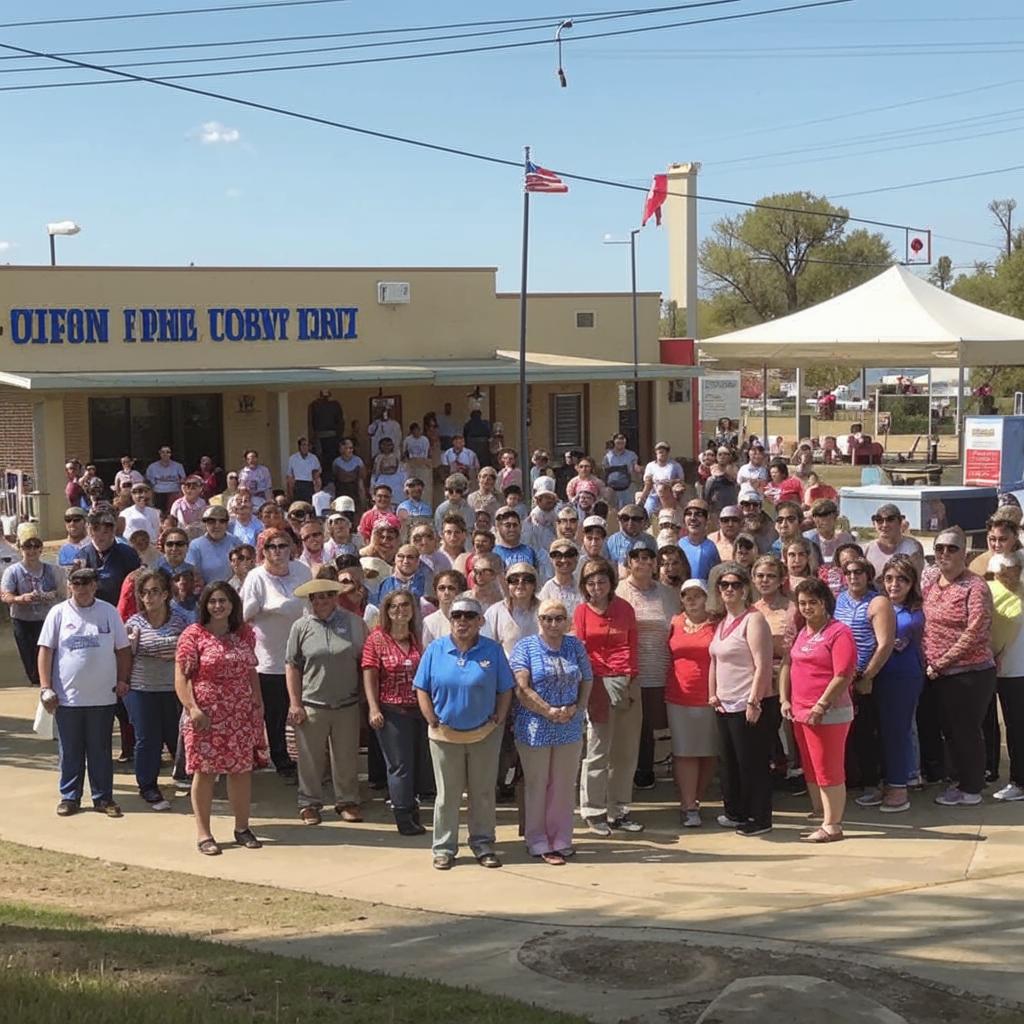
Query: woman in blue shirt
point(553, 680)
point(464, 688)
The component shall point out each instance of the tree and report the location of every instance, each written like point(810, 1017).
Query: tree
point(1002, 211)
point(789, 252)
point(824, 378)
point(941, 275)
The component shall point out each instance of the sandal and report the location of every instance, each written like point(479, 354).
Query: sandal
point(209, 847)
point(821, 835)
point(555, 859)
point(310, 816)
point(247, 838)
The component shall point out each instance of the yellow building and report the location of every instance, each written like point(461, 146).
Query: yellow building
point(102, 361)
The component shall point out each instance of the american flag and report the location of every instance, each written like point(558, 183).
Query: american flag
point(540, 179)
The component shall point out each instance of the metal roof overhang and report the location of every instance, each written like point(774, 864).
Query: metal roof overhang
point(542, 368)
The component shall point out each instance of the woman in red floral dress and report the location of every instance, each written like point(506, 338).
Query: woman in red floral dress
point(218, 687)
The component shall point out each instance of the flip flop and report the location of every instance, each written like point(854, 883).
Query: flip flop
point(553, 858)
point(819, 835)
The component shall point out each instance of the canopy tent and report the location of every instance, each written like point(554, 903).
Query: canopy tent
point(895, 319)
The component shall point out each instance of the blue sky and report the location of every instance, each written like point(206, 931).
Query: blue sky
point(135, 166)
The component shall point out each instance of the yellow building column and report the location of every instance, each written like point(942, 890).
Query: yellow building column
point(48, 447)
point(281, 437)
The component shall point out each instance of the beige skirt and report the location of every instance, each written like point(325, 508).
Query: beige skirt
point(694, 730)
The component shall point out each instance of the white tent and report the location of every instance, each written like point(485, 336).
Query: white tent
point(895, 319)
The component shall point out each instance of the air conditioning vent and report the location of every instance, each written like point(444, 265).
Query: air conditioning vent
point(393, 293)
point(585, 319)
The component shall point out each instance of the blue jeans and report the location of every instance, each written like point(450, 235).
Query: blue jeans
point(403, 740)
point(85, 739)
point(155, 718)
point(896, 696)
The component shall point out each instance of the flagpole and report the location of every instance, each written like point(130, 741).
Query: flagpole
point(524, 454)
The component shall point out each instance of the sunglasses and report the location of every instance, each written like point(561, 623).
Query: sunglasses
point(695, 512)
point(631, 519)
point(730, 585)
point(750, 504)
point(32, 544)
point(277, 547)
point(175, 544)
point(74, 519)
point(885, 519)
point(942, 549)
point(298, 515)
point(854, 570)
point(459, 616)
point(560, 556)
point(552, 618)
point(520, 578)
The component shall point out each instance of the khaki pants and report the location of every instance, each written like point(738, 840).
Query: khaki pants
point(549, 785)
point(470, 768)
point(338, 727)
point(606, 780)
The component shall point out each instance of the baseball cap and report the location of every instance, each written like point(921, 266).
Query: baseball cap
point(595, 523)
point(749, 494)
point(562, 544)
point(643, 543)
point(663, 444)
point(28, 531)
point(387, 522)
point(667, 539)
point(466, 604)
point(668, 515)
point(698, 503)
point(693, 584)
point(343, 504)
point(83, 575)
point(506, 513)
point(567, 512)
point(75, 510)
point(543, 485)
point(731, 511)
point(335, 515)
point(589, 486)
point(633, 510)
point(300, 506)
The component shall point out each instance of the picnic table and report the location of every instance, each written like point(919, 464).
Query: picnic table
point(906, 476)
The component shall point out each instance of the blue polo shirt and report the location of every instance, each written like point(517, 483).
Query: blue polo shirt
point(464, 696)
point(618, 545)
point(702, 557)
point(418, 585)
point(520, 553)
point(211, 557)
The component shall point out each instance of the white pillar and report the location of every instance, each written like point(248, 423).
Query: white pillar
point(799, 395)
point(681, 227)
point(283, 435)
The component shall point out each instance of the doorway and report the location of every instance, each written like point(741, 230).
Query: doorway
point(140, 424)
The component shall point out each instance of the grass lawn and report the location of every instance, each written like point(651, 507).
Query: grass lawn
point(58, 968)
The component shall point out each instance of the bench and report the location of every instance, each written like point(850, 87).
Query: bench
point(906, 476)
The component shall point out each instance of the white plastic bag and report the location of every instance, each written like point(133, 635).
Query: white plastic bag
point(44, 725)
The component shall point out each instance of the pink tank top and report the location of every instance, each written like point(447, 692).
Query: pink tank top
point(734, 664)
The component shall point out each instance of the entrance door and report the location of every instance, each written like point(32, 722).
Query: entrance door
point(140, 424)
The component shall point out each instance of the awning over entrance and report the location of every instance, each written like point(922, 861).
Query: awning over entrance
point(542, 368)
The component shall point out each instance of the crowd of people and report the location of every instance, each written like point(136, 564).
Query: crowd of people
point(529, 633)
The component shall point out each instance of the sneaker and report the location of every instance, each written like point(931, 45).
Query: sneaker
point(160, 805)
point(726, 822)
point(1010, 791)
point(644, 781)
point(690, 819)
point(751, 828)
point(991, 776)
point(599, 827)
point(182, 784)
point(954, 797)
point(869, 798)
point(625, 824)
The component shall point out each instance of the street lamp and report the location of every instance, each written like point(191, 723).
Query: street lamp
point(609, 240)
point(60, 227)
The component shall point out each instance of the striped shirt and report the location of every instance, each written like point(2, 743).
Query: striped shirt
point(853, 612)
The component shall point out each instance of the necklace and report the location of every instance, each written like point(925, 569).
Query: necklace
point(689, 626)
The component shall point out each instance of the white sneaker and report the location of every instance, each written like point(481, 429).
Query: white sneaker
point(726, 822)
point(691, 819)
point(869, 798)
point(1011, 791)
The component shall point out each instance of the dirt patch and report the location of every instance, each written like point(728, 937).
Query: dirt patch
point(696, 974)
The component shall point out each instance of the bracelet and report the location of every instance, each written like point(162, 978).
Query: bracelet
point(754, 704)
point(821, 704)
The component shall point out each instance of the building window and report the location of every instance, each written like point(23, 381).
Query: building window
point(679, 390)
point(567, 421)
point(588, 319)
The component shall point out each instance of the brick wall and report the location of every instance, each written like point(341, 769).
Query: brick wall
point(16, 448)
point(76, 428)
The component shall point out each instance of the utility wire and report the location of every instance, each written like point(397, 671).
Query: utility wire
point(930, 181)
point(423, 144)
point(431, 53)
point(169, 14)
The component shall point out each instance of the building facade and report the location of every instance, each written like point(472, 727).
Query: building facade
point(100, 362)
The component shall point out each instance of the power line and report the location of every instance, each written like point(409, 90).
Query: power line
point(376, 44)
point(169, 14)
point(930, 181)
point(968, 241)
point(790, 8)
point(423, 144)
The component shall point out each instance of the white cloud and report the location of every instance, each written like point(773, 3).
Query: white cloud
point(213, 133)
point(6, 246)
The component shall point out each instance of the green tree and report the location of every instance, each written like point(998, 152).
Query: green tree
point(790, 252)
point(941, 275)
point(820, 377)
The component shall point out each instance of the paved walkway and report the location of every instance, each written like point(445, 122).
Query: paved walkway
point(935, 892)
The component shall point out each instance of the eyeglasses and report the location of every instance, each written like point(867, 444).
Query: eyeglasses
point(728, 519)
point(730, 585)
point(516, 578)
point(551, 619)
point(885, 519)
point(943, 549)
point(785, 519)
point(277, 547)
point(175, 543)
point(855, 570)
point(459, 616)
point(897, 579)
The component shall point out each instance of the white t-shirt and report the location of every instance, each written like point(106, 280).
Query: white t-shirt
point(659, 474)
point(303, 468)
point(270, 606)
point(147, 519)
point(464, 462)
point(435, 626)
point(751, 474)
point(83, 641)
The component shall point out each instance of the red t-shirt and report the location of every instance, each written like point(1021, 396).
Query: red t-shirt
point(815, 660)
point(686, 681)
point(789, 489)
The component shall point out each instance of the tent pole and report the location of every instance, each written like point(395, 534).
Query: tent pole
point(764, 405)
point(959, 404)
point(799, 394)
point(928, 456)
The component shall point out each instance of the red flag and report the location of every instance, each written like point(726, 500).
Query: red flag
point(655, 199)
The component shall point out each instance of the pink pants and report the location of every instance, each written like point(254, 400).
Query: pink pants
point(549, 784)
point(822, 752)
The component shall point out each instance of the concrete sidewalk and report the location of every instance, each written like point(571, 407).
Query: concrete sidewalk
point(935, 892)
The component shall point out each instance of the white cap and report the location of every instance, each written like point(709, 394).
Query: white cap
point(543, 485)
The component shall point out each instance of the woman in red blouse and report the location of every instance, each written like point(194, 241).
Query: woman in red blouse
point(959, 663)
point(691, 719)
point(607, 626)
point(391, 656)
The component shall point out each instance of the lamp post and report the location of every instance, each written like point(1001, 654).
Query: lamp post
point(60, 227)
point(608, 240)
